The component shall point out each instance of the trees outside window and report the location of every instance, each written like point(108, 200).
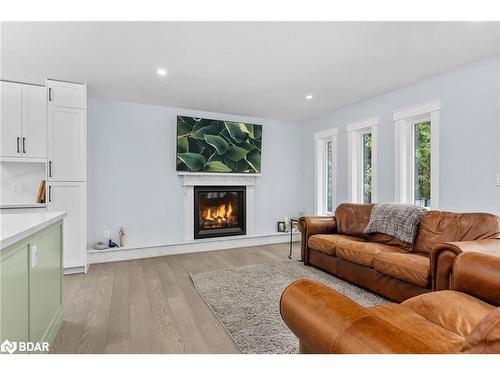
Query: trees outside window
point(366, 140)
point(422, 164)
point(329, 176)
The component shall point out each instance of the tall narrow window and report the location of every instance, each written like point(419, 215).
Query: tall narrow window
point(417, 154)
point(366, 140)
point(422, 163)
point(329, 176)
point(362, 159)
point(326, 145)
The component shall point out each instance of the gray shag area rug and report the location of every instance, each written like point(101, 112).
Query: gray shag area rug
point(246, 302)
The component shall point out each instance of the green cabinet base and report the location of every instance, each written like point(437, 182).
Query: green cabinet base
point(31, 287)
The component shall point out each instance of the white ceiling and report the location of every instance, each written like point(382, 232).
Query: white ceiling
point(257, 69)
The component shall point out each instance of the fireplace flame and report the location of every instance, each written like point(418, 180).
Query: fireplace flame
point(220, 214)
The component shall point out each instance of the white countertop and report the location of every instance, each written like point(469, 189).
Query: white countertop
point(16, 227)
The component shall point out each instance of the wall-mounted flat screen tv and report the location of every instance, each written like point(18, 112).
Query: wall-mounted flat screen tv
point(217, 146)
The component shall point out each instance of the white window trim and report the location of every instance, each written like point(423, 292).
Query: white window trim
point(320, 191)
point(355, 131)
point(404, 120)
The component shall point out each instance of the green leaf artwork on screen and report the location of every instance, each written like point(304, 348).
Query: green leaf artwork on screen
point(216, 146)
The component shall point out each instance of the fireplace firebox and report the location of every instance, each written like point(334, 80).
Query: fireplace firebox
point(219, 211)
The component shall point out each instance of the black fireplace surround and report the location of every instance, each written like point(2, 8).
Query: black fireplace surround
point(219, 211)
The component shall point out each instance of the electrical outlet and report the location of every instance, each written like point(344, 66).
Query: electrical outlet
point(498, 179)
point(34, 256)
point(107, 234)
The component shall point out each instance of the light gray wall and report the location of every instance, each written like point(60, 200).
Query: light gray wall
point(132, 180)
point(469, 137)
point(131, 156)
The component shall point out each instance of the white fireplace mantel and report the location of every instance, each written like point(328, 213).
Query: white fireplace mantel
point(189, 181)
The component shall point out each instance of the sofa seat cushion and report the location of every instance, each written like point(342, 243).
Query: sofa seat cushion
point(455, 311)
point(328, 243)
point(412, 268)
point(362, 253)
point(389, 241)
point(417, 326)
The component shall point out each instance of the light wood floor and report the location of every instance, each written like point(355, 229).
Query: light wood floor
point(150, 305)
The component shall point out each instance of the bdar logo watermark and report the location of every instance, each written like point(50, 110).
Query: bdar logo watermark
point(23, 347)
point(8, 347)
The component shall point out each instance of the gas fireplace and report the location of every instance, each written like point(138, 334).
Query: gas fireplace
point(219, 211)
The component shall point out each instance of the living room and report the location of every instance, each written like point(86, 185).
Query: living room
point(198, 187)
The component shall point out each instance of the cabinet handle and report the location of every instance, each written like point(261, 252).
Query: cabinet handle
point(50, 193)
point(50, 168)
point(24, 145)
point(18, 145)
point(50, 94)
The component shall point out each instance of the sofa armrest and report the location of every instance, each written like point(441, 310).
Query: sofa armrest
point(310, 225)
point(326, 321)
point(478, 275)
point(443, 256)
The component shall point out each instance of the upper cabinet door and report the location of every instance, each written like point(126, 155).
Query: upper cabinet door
point(66, 143)
point(64, 94)
point(11, 114)
point(34, 119)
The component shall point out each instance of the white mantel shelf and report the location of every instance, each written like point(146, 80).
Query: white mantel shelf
point(217, 179)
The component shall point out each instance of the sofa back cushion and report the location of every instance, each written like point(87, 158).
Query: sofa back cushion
point(441, 226)
point(352, 218)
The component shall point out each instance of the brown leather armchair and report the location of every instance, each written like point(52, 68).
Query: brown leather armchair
point(463, 320)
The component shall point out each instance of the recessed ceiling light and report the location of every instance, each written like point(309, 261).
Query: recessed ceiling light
point(161, 72)
point(309, 97)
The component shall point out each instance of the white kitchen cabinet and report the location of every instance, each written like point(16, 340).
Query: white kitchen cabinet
point(66, 143)
point(34, 122)
point(24, 120)
point(11, 119)
point(67, 154)
point(41, 124)
point(66, 94)
point(70, 197)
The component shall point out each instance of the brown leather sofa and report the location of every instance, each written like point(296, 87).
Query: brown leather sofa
point(385, 265)
point(463, 320)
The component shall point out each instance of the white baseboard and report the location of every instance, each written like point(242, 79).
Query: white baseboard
point(195, 246)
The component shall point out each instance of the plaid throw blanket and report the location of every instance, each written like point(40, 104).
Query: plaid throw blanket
point(397, 220)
